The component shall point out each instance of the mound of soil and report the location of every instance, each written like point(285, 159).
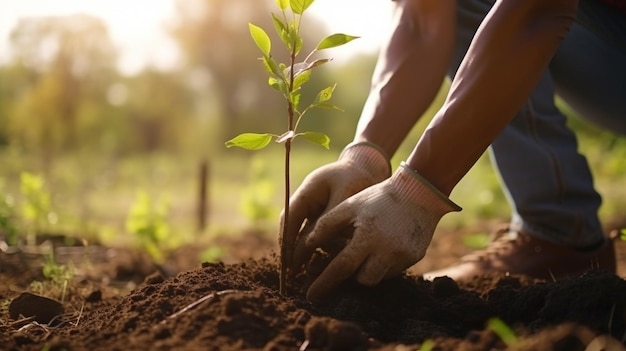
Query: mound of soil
point(236, 306)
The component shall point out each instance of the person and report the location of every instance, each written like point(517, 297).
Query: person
point(507, 59)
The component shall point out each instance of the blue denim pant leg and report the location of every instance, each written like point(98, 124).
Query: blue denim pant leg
point(547, 182)
point(589, 68)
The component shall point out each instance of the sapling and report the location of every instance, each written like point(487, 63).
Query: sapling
point(288, 79)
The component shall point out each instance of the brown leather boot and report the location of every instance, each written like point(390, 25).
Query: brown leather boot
point(513, 253)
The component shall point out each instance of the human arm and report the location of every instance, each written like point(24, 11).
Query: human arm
point(409, 71)
point(509, 53)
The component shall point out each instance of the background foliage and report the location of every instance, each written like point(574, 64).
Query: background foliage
point(97, 137)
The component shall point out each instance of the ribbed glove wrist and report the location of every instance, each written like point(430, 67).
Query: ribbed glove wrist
point(369, 157)
point(417, 191)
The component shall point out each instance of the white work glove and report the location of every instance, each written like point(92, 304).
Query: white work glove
point(359, 166)
point(393, 225)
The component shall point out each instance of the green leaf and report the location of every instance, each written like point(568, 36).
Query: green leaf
point(282, 4)
point(299, 6)
point(300, 79)
point(261, 39)
point(328, 106)
point(278, 84)
point(250, 141)
point(294, 98)
point(502, 330)
point(335, 40)
point(325, 94)
point(427, 345)
point(318, 138)
point(279, 25)
point(294, 41)
point(271, 66)
point(286, 33)
point(281, 29)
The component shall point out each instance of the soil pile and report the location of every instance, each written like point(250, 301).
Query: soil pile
point(237, 307)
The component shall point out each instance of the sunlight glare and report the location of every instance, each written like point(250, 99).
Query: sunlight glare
point(138, 27)
point(366, 19)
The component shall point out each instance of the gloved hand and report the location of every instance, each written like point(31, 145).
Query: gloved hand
point(359, 166)
point(393, 224)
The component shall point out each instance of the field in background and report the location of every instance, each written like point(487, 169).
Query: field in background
point(92, 195)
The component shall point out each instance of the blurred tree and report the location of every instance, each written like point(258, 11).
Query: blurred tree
point(13, 79)
point(61, 64)
point(213, 36)
point(159, 108)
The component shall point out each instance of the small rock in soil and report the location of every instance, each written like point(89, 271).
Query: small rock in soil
point(31, 305)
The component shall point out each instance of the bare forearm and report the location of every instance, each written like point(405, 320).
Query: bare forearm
point(409, 71)
point(508, 55)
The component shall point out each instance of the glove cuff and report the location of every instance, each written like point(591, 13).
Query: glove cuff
point(418, 190)
point(369, 157)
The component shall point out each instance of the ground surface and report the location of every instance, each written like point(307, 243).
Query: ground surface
point(121, 301)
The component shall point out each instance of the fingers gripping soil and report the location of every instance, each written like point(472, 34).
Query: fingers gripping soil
point(339, 269)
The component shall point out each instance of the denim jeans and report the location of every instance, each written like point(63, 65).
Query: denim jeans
point(547, 181)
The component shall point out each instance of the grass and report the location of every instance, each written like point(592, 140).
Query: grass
point(92, 195)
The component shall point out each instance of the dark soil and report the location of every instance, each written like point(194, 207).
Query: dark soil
point(121, 301)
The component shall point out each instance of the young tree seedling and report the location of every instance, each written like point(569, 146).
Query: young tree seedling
point(288, 79)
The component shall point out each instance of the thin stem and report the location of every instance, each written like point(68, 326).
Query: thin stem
point(286, 243)
point(286, 248)
point(300, 116)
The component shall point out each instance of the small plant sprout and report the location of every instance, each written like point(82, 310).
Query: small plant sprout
point(7, 220)
point(256, 200)
point(288, 79)
point(58, 274)
point(147, 221)
point(503, 331)
point(36, 206)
